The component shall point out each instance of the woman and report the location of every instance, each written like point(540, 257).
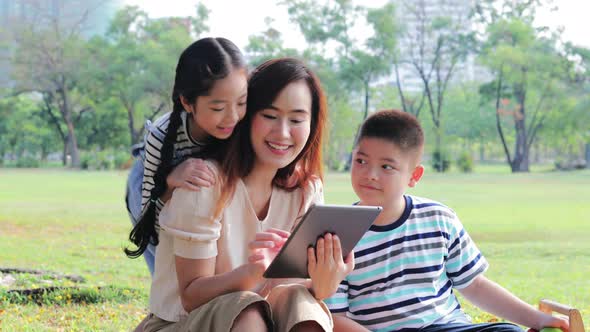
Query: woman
point(214, 243)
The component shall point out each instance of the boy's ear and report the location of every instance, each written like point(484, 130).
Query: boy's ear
point(416, 176)
point(186, 105)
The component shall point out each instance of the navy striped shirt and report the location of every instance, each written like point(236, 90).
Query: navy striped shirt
point(406, 271)
point(184, 147)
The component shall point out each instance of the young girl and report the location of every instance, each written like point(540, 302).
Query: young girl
point(209, 97)
point(210, 258)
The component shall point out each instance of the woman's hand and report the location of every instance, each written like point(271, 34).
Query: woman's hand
point(326, 266)
point(191, 174)
point(267, 244)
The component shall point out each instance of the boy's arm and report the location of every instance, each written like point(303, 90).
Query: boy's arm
point(496, 300)
point(345, 324)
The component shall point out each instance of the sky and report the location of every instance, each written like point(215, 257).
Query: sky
point(238, 19)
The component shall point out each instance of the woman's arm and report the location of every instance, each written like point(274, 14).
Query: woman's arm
point(345, 324)
point(496, 300)
point(198, 284)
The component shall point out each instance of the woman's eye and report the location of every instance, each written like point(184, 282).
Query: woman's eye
point(360, 161)
point(268, 116)
point(242, 104)
point(388, 167)
point(217, 109)
point(296, 121)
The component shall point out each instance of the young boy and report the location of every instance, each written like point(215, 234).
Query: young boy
point(416, 252)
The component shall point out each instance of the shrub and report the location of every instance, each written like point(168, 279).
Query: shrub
point(121, 159)
point(465, 162)
point(440, 161)
point(28, 162)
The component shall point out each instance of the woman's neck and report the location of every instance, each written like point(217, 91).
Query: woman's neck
point(260, 178)
point(259, 186)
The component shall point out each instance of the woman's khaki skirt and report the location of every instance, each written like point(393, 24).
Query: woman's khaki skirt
point(285, 306)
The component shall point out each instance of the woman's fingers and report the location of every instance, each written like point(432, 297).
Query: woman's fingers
point(261, 244)
point(255, 258)
point(279, 232)
point(328, 247)
point(320, 250)
point(311, 259)
point(270, 236)
point(337, 248)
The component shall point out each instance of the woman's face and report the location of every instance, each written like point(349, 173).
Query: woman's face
point(280, 132)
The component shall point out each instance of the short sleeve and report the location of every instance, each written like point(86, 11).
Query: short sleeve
point(189, 218)
point(338, 302)
point(464, 260)
point(313, 194)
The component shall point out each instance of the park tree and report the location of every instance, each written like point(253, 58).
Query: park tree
point(528, 76)
point(348, 67)
point(266, 45)
point(573, 127)
point(24, 130)
point(359, 63)
point(469, 121)
point(432, 49)
point(134, 63)
point(48, 54)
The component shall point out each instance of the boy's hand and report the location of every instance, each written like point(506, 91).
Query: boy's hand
point(191, 174)
point(554, 321)
point(326, 266)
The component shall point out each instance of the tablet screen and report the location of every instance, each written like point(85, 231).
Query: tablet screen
point(349, 222)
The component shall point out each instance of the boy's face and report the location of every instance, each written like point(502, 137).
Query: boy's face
point(381, 172)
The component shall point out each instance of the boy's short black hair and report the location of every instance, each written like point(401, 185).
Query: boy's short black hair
point(394, 126)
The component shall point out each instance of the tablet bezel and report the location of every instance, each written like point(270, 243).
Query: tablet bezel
point(287, 264)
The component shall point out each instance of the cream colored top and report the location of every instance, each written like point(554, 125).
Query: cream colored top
point(188, 229)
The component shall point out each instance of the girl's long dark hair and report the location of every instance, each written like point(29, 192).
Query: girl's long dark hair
point(199, 66)
point(264, 85)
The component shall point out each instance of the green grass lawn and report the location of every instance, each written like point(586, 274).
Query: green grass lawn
point(533, 229)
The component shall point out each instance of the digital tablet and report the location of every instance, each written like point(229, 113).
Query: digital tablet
point(349, 222)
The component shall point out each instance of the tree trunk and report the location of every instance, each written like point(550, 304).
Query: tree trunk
point(67, 116)
point(73, 146)
point(134, 134)
point(482, 156)
point(586, 155)
point(366, 100)
point(520, 163)
point(64, 158)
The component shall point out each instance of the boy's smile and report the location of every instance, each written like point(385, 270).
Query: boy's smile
point(381, 172)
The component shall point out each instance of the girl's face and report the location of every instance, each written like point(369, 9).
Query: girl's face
point(218, 113)
point(280, 132)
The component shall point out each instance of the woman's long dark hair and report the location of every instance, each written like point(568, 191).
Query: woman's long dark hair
point(199, 66)
point(264, 85)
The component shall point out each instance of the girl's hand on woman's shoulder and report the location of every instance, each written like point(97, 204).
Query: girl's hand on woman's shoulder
point(191, 174)
point(326, 266)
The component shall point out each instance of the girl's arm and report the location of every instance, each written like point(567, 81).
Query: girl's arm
point(198, 283)
point(191, 174)
point(496, 300)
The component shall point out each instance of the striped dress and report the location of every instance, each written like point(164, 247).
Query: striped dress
point(406, 271)
point(184, 147)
